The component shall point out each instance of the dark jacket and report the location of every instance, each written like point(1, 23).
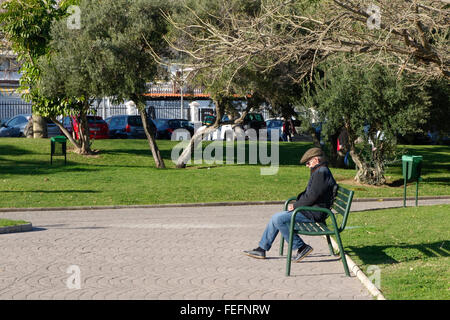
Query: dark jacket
point(318, 193)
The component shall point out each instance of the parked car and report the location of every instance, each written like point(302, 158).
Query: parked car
point(127, 127)
point(274, 125)
point(98, 128)
point(15, 126)
point(166, 127)
point(52, 129)
point(254, 121)
point(3, 121)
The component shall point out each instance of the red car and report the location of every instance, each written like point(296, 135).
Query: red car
point(98, 128)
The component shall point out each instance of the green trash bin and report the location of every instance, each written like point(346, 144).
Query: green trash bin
point(412, 169)
point(58, 148)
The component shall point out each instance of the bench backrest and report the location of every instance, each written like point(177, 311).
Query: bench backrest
point(342, 204)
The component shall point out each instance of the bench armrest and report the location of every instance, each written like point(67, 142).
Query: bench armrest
point(288, 201)
point(327, 211)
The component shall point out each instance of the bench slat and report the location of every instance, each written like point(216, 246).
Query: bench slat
point(339, 209)
point(312, 228)
point(342, 196)
point(341, 203)
point(343, 190)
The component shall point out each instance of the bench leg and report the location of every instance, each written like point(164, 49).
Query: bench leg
point(330, 246)
point(341, 251)
point(289, 253)
point(281, 244)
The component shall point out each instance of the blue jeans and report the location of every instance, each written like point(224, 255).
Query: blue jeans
point(280, 222)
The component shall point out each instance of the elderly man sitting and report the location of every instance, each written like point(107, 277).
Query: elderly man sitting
point(319, 192)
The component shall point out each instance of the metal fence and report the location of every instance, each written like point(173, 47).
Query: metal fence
point(12, 107)
point(164, 109)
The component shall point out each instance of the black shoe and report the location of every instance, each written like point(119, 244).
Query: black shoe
point(257, 253)
point(302, 252)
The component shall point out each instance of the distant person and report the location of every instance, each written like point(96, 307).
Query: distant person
point(318, 193)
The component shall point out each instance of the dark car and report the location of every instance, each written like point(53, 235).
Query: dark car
point(98, 128)
point(165, 127)
point(274, 125)
point(125, 127)
point(128, 127)
point(3, 121)
point(254, 121)
point(15, 126)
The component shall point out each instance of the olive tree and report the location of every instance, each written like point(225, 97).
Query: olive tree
point(26, 25)
point(374, 106)
point(108, 55)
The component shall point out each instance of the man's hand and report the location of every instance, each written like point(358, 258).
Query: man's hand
point(290, 207)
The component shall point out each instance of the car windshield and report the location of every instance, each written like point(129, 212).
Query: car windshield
point(275, 123)
point(96, 120)
point(255, 116)
point(178, 123)
point(159, 122)
point(135, 121)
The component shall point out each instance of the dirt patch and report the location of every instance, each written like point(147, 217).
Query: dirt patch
point(389, 183)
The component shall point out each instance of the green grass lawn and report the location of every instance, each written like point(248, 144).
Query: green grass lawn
point(11, 223)
point(410, 246)
point(124, 174)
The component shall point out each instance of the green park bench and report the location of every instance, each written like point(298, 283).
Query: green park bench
point(341, 205)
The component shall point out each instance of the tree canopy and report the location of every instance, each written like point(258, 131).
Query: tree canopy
point(109, 55)
point(374, 107)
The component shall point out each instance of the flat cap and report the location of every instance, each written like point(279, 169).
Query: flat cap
point(313, 152)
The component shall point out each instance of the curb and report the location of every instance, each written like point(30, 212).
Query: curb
point(203, 204)
point(360, 275)
point(19, 228)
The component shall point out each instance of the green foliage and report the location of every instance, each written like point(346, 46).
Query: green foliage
point(371, 103)
point(27, 25)
point(109, 55)
point(439, 91)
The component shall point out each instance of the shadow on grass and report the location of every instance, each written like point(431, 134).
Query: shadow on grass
point(436, 180)
point(51, 191)
point(40, 168)
point(377, 254)
point(11, 150)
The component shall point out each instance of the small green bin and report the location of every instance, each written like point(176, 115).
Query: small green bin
point(58, 148)
point(412, 169)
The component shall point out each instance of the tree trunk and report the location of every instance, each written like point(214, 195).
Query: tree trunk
point(198, 136)
point(39, 127)
point(159, 162)
point(193, 143)
point(366, 174)
point(316, 140)
point(67, 134)
point(83, 132)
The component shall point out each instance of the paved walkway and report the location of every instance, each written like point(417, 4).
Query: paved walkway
point(164, 253)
